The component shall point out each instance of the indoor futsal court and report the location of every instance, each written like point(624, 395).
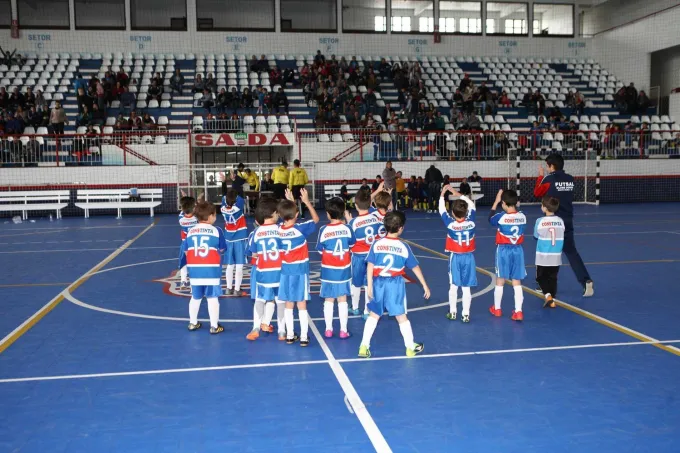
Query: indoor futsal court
point(110, 366)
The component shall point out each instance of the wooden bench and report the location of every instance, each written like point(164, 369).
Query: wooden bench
point(475, 187)
point(119, 199)
point(333, 190)
point(24, 201)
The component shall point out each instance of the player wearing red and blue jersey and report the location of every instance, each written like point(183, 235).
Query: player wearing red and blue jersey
point(460, 243)
point(387, 262)
point(366, 227)
point(334, 243)
point(510, 226)
point(187, 219)
point(294, 286)
point(236, 234)
point(204, 246)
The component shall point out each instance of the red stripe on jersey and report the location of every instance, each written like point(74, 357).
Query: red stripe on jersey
point(361, 246)
point(455, 247)
point(268, 264)
point(183, 234)
point(393, 272)
point(296, 255)
point(329, 259)
point(505, 240)
point(213, 257)
point(253, 260)
point(239, 225)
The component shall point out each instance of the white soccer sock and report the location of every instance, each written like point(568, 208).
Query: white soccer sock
point(183, 274)
point(519, 298)
point(239, 277)
point(290, 323)
point(304, 324)
point(214, 311)
point(369, 328)
point(229, 276)
point(343, 312)
point(356, 297)
point(268, 313)
point(453, 296)
point(497, 297)
point(407, 333)
point(281, 317)
point(258, 312)
point(328, 315)
point(194, 306)
point(467, 300)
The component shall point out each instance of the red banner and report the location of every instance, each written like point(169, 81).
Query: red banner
point(234, 140)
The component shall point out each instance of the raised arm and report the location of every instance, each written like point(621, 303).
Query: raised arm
point(304, 197)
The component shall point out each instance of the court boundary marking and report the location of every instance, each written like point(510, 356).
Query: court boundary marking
point(574, 309)
point(25, 326)
point(340, 361)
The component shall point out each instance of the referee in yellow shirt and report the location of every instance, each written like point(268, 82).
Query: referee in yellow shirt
point(280, 176)
point(400, 187)
point(298, 180)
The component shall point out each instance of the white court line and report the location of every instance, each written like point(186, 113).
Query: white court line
point(672, 232)
point(133, 265)
point(176, 247)
point(613, 233)
point(315, 362)
point(352, 397)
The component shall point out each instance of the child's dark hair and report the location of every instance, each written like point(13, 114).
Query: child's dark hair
point(287, 210)
point(555, 160)
point(551, 204)
point(393, 221)
point(362, 200)
point(266, 207)
point(188, 204)
point(510, 198)
point(344, 181)
point(230, 197)
point(204, 210)
point(335, 208)
point(382, 200)
point(460, 209)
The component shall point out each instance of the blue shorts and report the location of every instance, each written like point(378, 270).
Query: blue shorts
point(389, 294)
point(510, 262)
point(235, 253)
point(359, 270)
point(294, 288)
point(199, 292)
point(266, 293)
point(333, 290)
point(462, 270)
point(182, 256)
point(253, 277)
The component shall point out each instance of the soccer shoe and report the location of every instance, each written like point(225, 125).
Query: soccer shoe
point(267, 328)
point(364, 352)
point(193, 327)
point(282, 336)
point(354, 311)
point(465, 318)
point(328, 334)
point(216, 330)
point(228, 292)
point(517, 316)
point(253, 335)
point(364, 316)
point(240, 293)
point(417, 349)
point(292, 340)
point(588, 290)
point(304, 343)
point(496, 312)
point(451, 316)
point(549, 302)
point(344, 335)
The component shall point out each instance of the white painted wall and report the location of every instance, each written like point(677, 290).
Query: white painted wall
point(614, 13)
point(100, 13)
point(666, 70)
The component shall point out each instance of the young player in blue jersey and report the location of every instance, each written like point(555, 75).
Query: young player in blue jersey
point(204, 247)
point(236, 234)
point(549, 233)
point(258, 304)
point(509, 252)
point(265, 247)
point(334, 243)
point(187, 219)
point(294, 287)
point(387, 262)
point(366, 228)
point(460, 243)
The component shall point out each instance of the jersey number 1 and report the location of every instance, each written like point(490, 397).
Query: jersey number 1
point(460, 237)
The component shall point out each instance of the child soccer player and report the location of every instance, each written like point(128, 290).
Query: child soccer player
point(334, 243)
point(204, 246)
point(265, 247)
point(549, 232)
point(383, 203)
point(366, 227)
point(186, 221)
point(386, 290)
point(412, 189)
point(460, 243)
point(509, 253)
point(233, 206)
point(258, 304)
point(294, 286)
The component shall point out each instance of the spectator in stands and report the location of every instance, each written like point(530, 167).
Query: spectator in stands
point(287, 77)
point(385, 69)
point(116, 92)
point(199, 84)
point(135, 121)
point(211, 83)
point(234, 123)
point(58, 118)
point(539, 101)
point(262, 64)
point(281, 100)
point(83, 100)
point(121, 123)
point(504, 100)
point(643, 102)
point(234, 100)
point(84, 117)
point(261, 94)
point(267, 184)
point(376, 183)
point(253, 65)
point(434, 180)
point(466, 82)
point(123, 78)
point(176, 82)
point(29, 97)
point(620, 99)
point(148, 123)
point(369, 105)
point(319, 59)
point(333, 121)
point(475, 177)
point(275, 76)
point(364, 185)
point(222, 101)
point(4, 98)
point(97, 116)
point(247, 99)
point(207, 100)
point(579, 102)
point(16, 99)
point(154, 92)
point(14, 124)
point(631, 98)
point(101, 95)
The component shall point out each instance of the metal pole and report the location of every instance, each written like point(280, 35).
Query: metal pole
point(585, 179)
point(597, 180)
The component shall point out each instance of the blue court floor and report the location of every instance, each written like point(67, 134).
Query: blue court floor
point(95, 355)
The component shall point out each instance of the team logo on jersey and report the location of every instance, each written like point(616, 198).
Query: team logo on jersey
point(172, 283)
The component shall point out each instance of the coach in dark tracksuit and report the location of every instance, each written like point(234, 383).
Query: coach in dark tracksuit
point(560, 185)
